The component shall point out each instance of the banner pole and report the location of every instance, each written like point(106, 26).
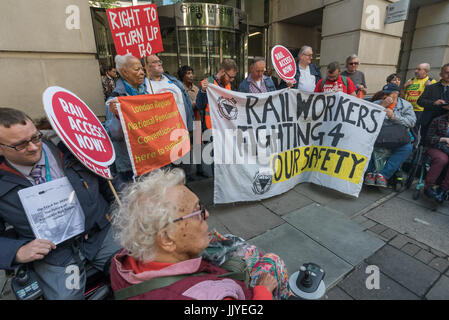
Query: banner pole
point(115, 193)
point(148, 74)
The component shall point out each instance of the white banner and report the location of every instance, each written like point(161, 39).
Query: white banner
point(265, 144)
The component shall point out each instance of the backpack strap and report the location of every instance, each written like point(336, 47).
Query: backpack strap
point(345, 81)
point(343, 78)
point(323, 81)
point(149, 285)
point(157, 283)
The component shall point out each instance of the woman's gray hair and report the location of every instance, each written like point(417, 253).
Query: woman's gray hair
point(122, 61)
point(351, 57)
point(144, 212)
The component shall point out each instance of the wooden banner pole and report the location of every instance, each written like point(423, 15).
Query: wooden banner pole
point(115, 193)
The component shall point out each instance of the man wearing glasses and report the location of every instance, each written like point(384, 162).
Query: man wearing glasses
point(223, 78)
point(307, 74)
point(358, 77)
point(27, 160)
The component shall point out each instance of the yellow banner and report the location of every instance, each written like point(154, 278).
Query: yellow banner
point(338, 163)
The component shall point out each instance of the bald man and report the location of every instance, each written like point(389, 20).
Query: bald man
point(414, 88)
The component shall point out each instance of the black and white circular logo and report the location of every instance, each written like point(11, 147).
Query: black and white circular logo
point(227, 108)
point(262, 181)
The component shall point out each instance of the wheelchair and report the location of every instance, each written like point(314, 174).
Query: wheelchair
point(417, 166)
point(25, 286)
point(396, 181)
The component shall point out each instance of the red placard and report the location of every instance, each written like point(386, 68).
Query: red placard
point(284, 63)
point(154, 131)
point(79, 129)
point(136, 30)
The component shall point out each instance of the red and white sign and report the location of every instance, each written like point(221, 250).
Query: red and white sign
point(283, 63)
point(79, 129)
point(136, 30)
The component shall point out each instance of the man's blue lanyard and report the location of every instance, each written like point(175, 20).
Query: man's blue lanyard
point(47, 167)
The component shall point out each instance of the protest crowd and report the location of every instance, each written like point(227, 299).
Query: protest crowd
point(155, 243)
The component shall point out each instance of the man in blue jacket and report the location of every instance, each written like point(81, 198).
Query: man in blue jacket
point(26, 160)
point(257, 82)
point(307, 74)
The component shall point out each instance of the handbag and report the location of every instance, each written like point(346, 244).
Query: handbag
point(392, 136)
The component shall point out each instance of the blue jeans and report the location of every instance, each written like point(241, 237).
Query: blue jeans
point(394, 162)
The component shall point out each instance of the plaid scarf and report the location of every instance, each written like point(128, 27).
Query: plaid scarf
point(254, 88)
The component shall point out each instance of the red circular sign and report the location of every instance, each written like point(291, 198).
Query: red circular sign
point(283, 62)
point(80, 130)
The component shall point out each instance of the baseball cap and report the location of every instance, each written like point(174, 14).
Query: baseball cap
point(390, 87)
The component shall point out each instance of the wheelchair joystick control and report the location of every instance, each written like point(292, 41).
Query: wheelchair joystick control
point(22, 277)
point(307, 280)
point(307, 283)
point(25, 285)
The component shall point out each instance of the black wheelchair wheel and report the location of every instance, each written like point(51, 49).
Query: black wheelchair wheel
point(414, 168)
point(416, 194)
point(399, 186)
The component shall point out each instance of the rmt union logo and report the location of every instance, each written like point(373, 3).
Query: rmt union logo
point(262, 181)
point(227, 108)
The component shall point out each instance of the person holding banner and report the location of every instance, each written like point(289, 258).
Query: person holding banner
point(394, 136)
point(130, 83)
point(163, 228)
point(307, 74)
point(335, 82)
point(223, 78)
point(28, 161)
point(257, 82)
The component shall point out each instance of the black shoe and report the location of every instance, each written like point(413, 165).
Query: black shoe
point(441, 195)
point(431, 193)
point(437, 195)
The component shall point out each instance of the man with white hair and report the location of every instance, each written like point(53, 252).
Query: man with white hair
point(414, 88)
point(307, 74)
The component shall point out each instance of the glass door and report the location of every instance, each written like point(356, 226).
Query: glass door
point(204, 49)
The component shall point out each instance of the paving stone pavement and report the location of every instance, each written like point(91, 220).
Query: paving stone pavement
point(411, 266)
point(407, 240)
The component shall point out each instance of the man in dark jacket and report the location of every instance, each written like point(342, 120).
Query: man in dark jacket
point(434, 100)
point(257, 82)
point(307, 74)
point(26, 160)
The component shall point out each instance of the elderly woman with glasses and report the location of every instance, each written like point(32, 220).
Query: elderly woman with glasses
point(163, 229)
point(358, 77)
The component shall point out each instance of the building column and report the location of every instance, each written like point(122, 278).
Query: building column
point(47, 43)
point(357, 27)
point(430, 39)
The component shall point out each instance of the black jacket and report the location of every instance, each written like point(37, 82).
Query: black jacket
point(431, 94)
point(95, 202)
